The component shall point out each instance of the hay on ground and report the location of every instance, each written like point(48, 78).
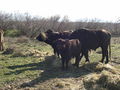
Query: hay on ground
point(104, 77)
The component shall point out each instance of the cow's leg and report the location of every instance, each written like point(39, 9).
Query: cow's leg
point(55, 53)
point(106, 57)
point(78, 59)
point(104, 54)
point(86, 56)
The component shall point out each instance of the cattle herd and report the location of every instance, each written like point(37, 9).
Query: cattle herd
point(70, 44)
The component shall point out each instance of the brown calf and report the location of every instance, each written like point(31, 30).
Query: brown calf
point(68, 49)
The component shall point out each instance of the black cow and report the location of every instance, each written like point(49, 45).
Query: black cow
point(68, 49)
point(50, 36)
point(92, 39)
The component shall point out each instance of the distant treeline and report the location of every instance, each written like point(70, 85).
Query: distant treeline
point(31, 26)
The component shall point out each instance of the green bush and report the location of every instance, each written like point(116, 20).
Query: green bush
point(13, 33)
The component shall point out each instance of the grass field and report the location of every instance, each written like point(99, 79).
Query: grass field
point(29, 64)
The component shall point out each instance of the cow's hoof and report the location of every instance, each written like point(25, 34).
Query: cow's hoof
point(101, 61)
point(76, 65)
point(106, 62)
point(87, 62)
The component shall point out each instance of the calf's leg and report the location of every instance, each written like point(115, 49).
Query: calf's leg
point(63, 63)
point(67, 60)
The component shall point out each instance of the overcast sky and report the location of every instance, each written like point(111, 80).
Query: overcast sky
point(107, 10)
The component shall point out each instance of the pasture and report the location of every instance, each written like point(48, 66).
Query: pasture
point(30, 65)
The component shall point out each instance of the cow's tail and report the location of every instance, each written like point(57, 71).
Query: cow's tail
point(110, 50)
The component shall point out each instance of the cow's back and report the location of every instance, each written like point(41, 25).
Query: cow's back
point(104, 36)
point(89, 39)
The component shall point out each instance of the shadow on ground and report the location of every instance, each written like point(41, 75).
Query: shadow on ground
point(50, 71)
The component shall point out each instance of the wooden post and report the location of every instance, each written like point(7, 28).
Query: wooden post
point(1, 40)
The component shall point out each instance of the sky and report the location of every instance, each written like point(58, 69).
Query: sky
point(106, 10)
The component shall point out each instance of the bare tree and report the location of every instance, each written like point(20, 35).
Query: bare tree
point(32, 26)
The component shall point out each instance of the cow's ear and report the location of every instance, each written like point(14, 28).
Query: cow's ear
point(43, 36)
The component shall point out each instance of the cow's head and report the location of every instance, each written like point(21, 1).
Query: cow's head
point(43, 36)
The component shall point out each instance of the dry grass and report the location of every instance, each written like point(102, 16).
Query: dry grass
point(22, 39)
point(115, 40)
point(104, 77)
point(98, 67)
